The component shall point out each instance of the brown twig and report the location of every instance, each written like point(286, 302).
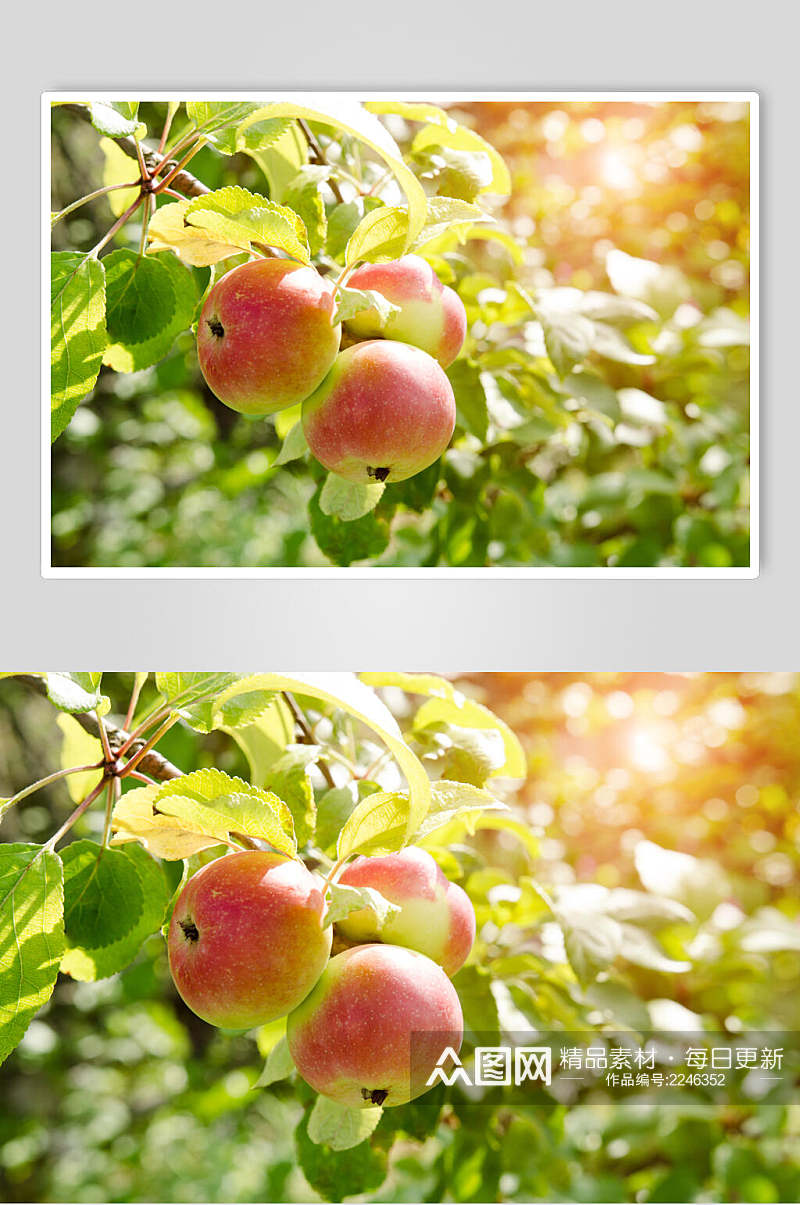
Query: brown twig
point(153, 763)
point(307, 736)
point(319, 156)
point(184, 182)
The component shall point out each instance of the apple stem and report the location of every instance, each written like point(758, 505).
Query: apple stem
point(333, 872)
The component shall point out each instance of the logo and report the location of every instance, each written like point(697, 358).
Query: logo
point(495, 1065)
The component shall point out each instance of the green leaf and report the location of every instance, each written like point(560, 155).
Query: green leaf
point(380, 236)
point(31, 936)
point(592, 942)
point(349, 116)
point(294, 445)
point(333, 809)
point(289, 779)
point(216, 805)
point(416, 684)
point(213, 700)
point(140, 299)
point(661, 286)
point(238, 217)
point(118, 168)
point(88, 963)
point(469, 755)
point(264, 740)
point(567, 337)
point(344, 899)
point(279, 1064)
point(77, 331)
point(458, 138)
point(340, 1127)
point(350, 302)
point(304, 196)
point(336, 1175)
point(102, 894)
point(410, 110)
point(345, 692)
point(345, 542)
point(453, 801)
point(282, 160)
point(593, 393)
point(221, 121)
point(132, 357)
point(378, 825)
point(349, 500)
point(444, 212)
point(79, 748)
point(76, 692)
point(470, 395)
point(610, 343)
point(466, 712)
point(116, 119)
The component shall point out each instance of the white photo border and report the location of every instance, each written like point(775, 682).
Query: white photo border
point(48, 571)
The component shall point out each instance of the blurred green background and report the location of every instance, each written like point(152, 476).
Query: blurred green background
point(118, 1093)
point(649, 467)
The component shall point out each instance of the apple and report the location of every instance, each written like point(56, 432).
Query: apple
point(431, 315)
point(436, 917)
point(384, 412)
point(246, 941)
point(265, 338)
point(374, 1027)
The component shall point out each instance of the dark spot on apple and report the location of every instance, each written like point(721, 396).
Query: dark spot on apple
point(216, 327)
point(375, 1096)
point(378, 474)
point(190, 930)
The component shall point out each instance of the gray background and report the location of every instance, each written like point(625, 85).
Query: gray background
point(398, 623)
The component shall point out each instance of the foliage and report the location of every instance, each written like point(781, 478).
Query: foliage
point(600, 250)
point(567, 806)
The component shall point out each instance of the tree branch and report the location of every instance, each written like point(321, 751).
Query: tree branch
point(184, 182)
point(154, 764)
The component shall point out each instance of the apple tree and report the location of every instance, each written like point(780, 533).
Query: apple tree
point(556, 416)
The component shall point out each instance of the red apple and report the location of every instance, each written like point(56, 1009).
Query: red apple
point(265, 338)
point(384, 412)
point(436, 917)
point(431, 315)
point(373, 1029)
point(246, 942)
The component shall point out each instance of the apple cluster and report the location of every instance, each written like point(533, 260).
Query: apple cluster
point(248, 943)
point(380, 410)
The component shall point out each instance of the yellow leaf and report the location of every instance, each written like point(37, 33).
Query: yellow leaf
point(164, 836)
point(167, 232)
point(119, 168)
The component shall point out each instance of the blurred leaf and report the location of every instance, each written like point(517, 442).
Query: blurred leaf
point(79, 748)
